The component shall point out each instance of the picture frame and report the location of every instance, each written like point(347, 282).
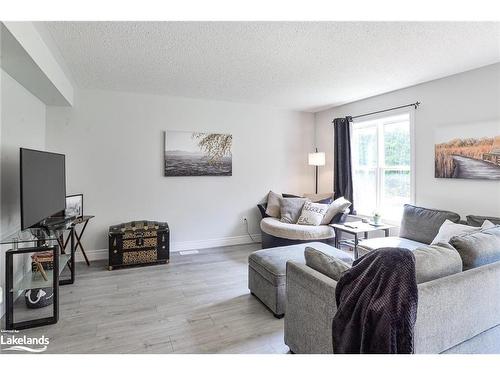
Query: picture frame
point(468, 152)
point(189, 153)
point(74, 206)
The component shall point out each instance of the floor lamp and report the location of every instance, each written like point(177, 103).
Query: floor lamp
point(318, 160)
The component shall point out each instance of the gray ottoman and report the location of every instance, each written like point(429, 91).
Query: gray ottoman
point(267, 271)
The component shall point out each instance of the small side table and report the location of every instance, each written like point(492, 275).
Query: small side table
point(356, 228)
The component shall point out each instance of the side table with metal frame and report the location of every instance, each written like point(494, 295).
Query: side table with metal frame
point(356, 228)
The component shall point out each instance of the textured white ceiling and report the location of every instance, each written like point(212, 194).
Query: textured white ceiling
point(295, 65)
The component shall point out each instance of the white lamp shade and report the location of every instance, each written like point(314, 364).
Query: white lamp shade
point(317, 158)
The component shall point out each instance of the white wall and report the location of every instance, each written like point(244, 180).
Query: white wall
point(22, 125)
point(113, 143)
point(469, 99)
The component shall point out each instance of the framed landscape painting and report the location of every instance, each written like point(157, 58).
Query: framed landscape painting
point(198, 154)
point(469, 157)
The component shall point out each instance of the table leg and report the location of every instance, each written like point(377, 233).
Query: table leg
point(386, 231)
point(9, 291)
point(60, 241)
point(79, 244)
point(356, 255)
point(73, 249)
point(337, 237)
point(66, 243)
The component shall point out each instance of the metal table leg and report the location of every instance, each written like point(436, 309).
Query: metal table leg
point(356, 241)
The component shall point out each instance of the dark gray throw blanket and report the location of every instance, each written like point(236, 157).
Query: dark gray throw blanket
point(377, 304)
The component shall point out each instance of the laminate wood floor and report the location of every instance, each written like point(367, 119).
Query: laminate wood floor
point(196, 304)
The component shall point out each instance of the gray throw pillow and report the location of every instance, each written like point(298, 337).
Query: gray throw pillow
point(422, 224)
point(477, 221)
point(291, 209)
point(273, 204)
point(312, 213)
point(479, 248)
point(325, 198)
point(325, 264)
point(435, 261)
point(337, 206)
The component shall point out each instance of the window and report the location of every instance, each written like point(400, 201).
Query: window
point(382, 165)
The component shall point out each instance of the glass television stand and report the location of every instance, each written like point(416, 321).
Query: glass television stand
point(24, 272)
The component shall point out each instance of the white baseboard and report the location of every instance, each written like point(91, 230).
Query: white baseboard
point(214, 242)
point(99, 254)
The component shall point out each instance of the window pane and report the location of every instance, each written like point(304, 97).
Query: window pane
point(396, 192)
point(364, 146)
point(365, 191)
point(397, 144)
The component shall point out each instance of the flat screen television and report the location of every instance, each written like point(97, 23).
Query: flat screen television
point(43, 186)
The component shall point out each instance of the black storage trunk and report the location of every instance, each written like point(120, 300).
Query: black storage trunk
point(138, 243)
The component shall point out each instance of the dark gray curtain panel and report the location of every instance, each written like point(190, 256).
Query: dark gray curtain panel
point(342, 170)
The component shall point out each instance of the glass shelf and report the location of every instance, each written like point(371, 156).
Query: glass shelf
point(34, 280)
point(27, 236)
point(36, 234)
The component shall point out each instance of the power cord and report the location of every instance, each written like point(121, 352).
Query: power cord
point(248, 231)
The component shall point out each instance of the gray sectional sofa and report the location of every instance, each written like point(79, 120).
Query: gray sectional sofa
point(457, 313)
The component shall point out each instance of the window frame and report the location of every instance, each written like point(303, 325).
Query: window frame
point(377, 122)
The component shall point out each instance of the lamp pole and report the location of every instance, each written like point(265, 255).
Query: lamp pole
point(316, 175)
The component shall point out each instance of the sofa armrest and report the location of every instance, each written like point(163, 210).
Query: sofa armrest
point(309, 311)
point(455, 308)
point(341, 217)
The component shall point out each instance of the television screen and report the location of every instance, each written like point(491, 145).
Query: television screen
point(43, 186)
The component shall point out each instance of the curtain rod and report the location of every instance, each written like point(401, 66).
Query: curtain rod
point(415, 105)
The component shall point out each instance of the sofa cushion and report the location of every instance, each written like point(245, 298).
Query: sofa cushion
point(327, 265)
point(435, 261)
point(449, 229)
point(431, 261)
point(380, 242)
point(290, 209)
point(312, 213)
point(271, 263)
point(273, 204)
point(337, 206)
point(422, 224)
point(478, 248)
point(477, 221)
point(276, 228)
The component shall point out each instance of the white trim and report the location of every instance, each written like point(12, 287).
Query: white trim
point(413, 172)
point(100, 254)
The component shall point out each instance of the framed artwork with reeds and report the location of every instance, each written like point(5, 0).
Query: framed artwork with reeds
point(473, 158)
